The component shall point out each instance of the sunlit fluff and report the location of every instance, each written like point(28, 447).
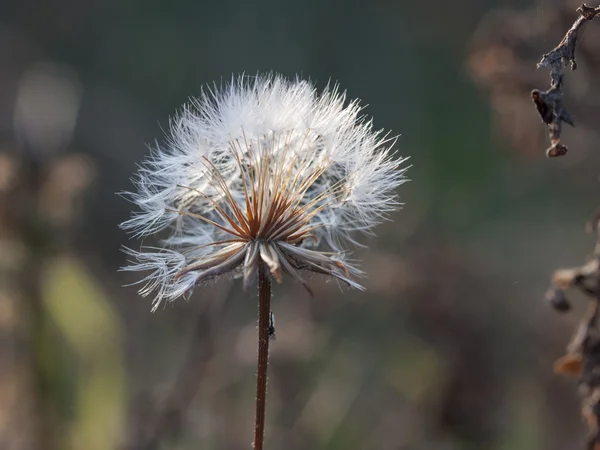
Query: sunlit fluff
point(265, 170)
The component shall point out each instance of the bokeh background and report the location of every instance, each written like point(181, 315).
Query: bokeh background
point(451, 346)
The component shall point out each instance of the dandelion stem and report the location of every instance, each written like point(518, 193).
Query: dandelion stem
point(264, 308)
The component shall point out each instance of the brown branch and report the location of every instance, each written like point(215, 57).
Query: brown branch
point(549, 103)
point(264, 332)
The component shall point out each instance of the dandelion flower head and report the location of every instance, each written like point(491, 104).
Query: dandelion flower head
point(264, 171)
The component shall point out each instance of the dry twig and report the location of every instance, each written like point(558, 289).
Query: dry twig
point(549, 103)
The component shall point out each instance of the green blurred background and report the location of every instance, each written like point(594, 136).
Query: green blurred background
point(451, 346)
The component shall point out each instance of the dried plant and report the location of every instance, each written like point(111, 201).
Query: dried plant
point(582, 359)
point(42, 181)
point(583, 352)
point(549, 103)
point(255, 178)
point(505, 48)
point(501, 59)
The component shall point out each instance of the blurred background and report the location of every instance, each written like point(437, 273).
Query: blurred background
point(451, 346)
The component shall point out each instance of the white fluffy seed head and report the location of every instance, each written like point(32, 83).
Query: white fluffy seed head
point(262, 171)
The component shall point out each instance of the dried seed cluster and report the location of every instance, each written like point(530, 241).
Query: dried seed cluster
point(264, 170)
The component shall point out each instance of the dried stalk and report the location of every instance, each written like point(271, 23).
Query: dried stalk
point(264, 309)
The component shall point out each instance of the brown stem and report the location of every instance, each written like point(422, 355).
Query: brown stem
point(264, 308)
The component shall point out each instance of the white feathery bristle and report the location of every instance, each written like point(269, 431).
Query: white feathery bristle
point(263, 138)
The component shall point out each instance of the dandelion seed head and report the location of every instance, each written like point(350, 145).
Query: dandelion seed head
point(262, 171)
